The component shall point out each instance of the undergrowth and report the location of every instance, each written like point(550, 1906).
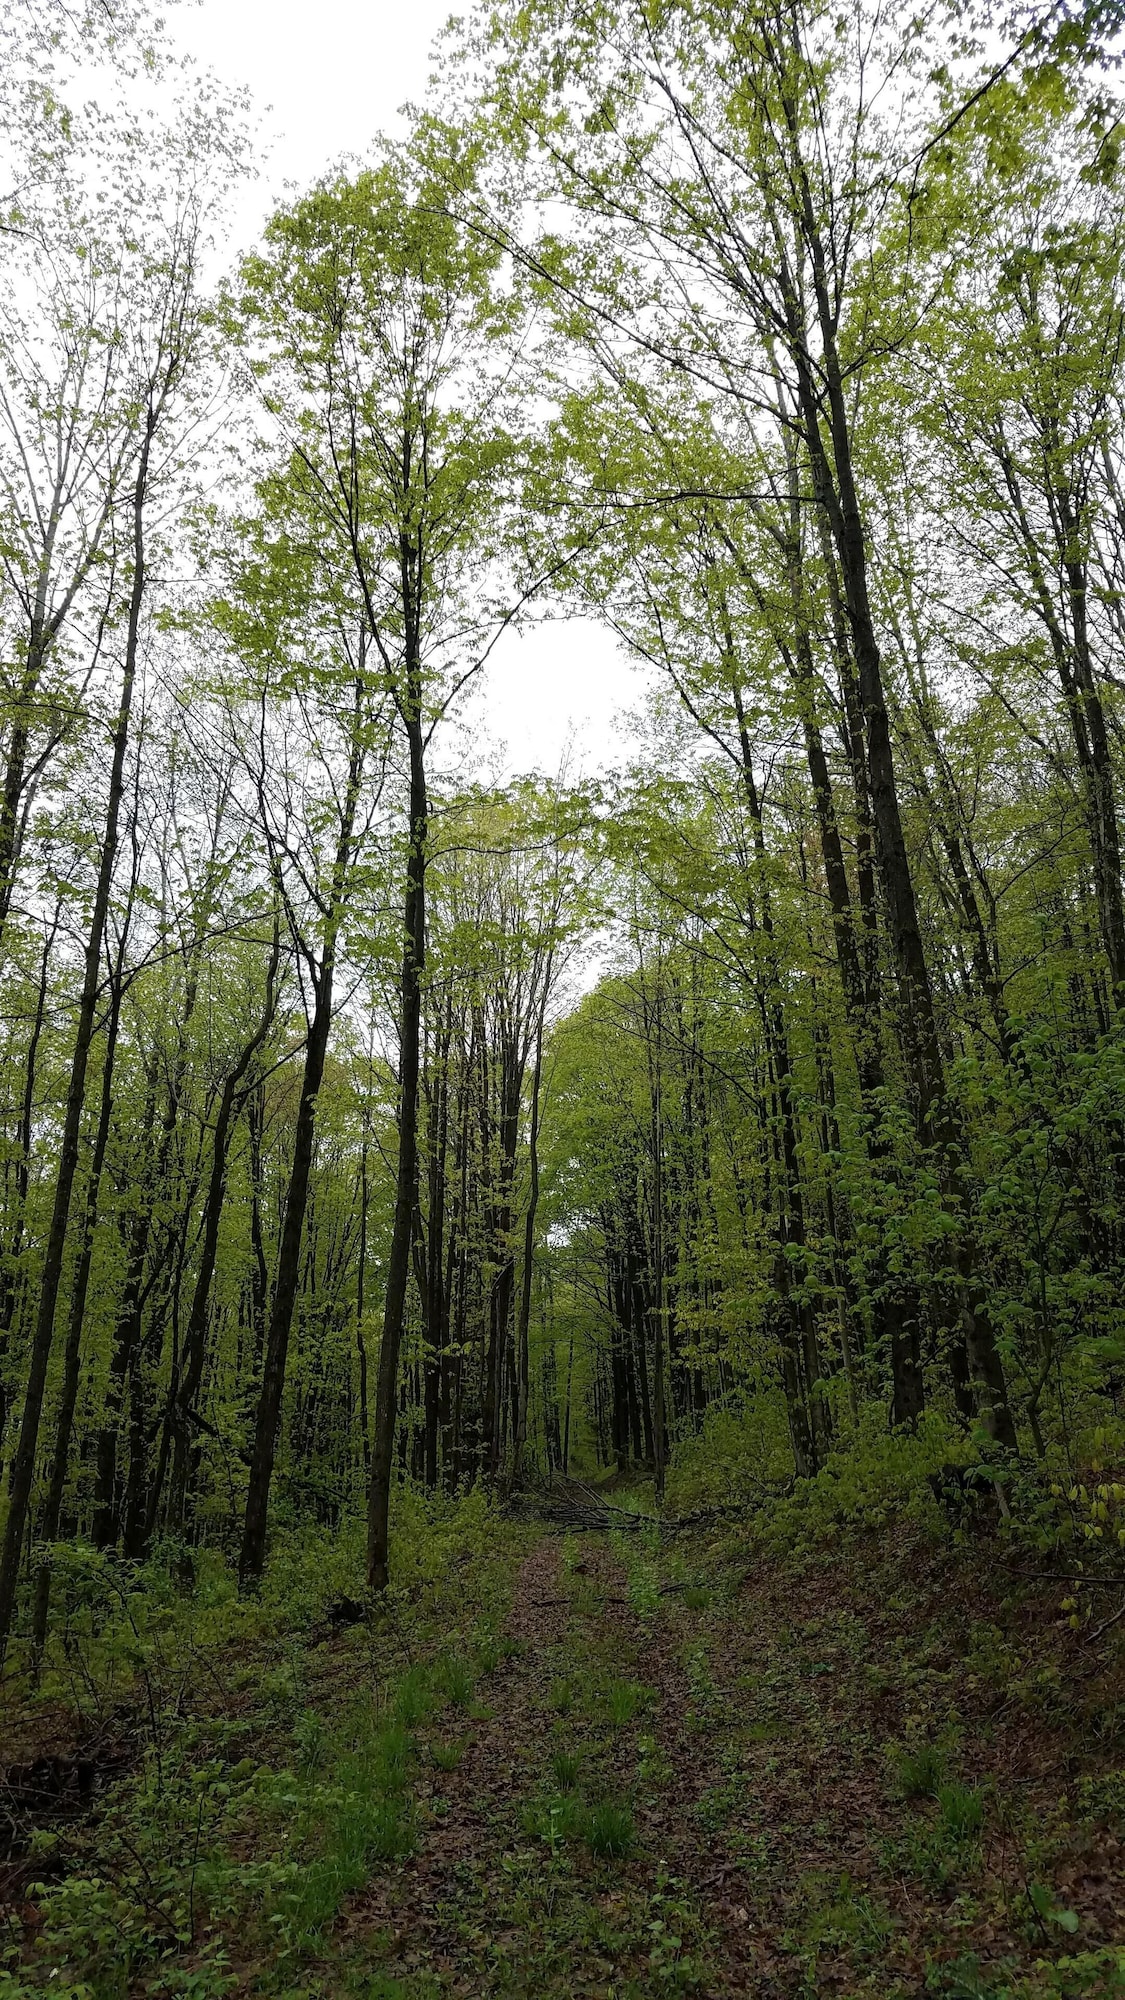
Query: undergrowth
point(278, 1752)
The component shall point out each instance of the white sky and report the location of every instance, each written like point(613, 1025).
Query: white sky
point(326, 76)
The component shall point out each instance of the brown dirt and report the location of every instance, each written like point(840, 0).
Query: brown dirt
point(766, 1814)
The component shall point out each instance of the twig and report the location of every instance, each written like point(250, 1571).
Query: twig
point(1059, 1576)
point(1104, 1626)
point(556, 1603)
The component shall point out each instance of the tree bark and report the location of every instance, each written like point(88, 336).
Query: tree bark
point(184, 1391)
point(398, 1263)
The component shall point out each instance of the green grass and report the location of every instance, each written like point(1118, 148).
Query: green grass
point(624, 1701)
point(841, 1915)
point(962, 1810)
point(586, 1598)
point(562, 1694)
point(918, 1773)
point(565, 1766)
point(391, 1757)
point(609, 1832)
point(204, 1854)
point(414, 1698)
point(449, 1756)
point(558, 1818)
point(696, 1597)
point(455, 1679)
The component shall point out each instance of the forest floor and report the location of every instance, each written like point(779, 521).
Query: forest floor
point(745, 1732)
point(892, 1772)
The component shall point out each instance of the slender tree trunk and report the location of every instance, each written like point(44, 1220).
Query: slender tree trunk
point(1101, 802)
point(528, 1272)
point(11, 1269)
point(185, 1390)
point(360, 1307)
point(126, 1365)
point(68, 1400)
point(437, 1302)
point(252, 1555)
point(398, 1263)
point(15, 767)
point(837, 493)
point(259, 1269)
point(569, 1390)
point(659, 1319)
point(23, 1466)
point(802, 1374)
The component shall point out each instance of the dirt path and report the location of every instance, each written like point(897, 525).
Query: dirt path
point(732, 1754)
point(504, 1895)
point(418, 1918)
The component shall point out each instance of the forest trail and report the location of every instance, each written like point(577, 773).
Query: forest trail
point(615, 1765)
point(736, 1747)
point(502, 1895)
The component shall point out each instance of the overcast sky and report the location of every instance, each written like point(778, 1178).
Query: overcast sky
point(326, 76)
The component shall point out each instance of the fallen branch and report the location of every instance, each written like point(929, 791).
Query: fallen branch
point(1061, 1576)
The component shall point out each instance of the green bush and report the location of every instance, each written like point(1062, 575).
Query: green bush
point(733, 1459)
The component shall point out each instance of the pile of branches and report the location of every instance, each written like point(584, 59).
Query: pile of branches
point(577, 1509)
point(570, 1505)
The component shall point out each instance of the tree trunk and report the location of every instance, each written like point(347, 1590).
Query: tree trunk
point(68, 1400)
point(252, 1555)
point(23, 1465)
point(11, 1270)
point(836, 491)
point(184, 1392)
point(398, 1263)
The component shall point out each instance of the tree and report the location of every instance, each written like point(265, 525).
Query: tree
point(166, 333)
point(374, 325)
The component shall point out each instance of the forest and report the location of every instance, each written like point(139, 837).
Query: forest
point(562, 1338)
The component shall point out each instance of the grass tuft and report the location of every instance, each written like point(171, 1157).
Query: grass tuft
point(609, 1831)
point(456, 1680)
point(962, 1810)
point(448, 1756)
point(565, 1765)
point(414, 1698)
point(624, 1701)
point(696, 1597)
point(555, 1820)
point(561, 1696)
point(919, 1772)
